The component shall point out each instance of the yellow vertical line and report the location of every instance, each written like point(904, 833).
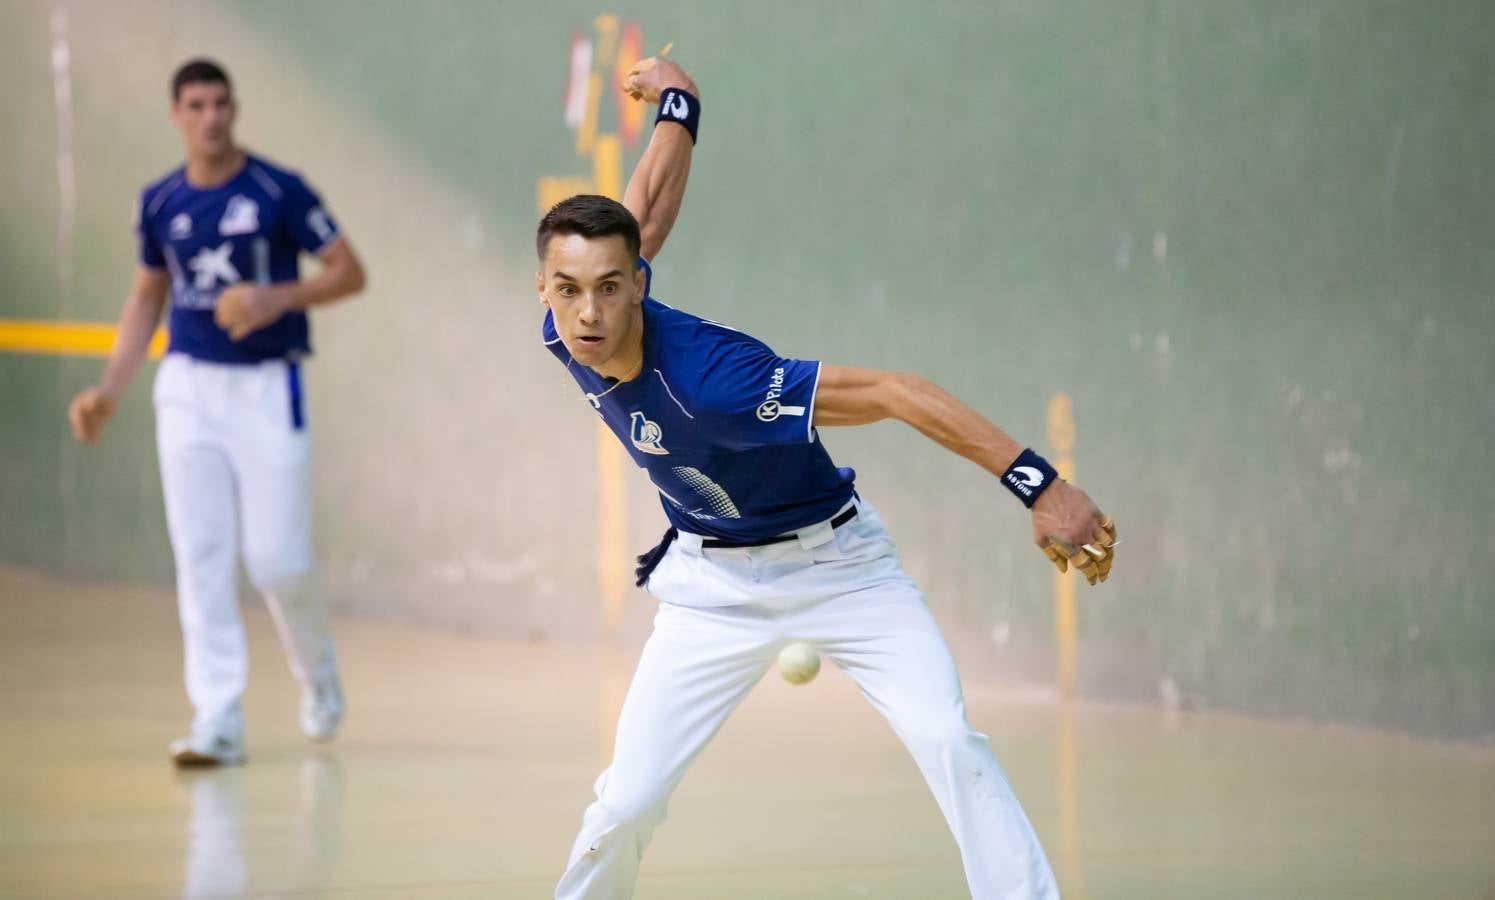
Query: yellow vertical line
point(612, 527)
point(612, 553)
point(1067, 764)
point(607, 40)
point(613, 569)
point(607, 166)
point(1062, 437)
point(1065, 624)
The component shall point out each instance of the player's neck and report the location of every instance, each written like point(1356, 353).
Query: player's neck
point(215, 171)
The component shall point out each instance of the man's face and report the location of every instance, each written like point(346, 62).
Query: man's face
point(205, 112)
point(595, 289)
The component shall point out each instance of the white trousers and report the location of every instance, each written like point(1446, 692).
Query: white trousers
point(724, 616)
point(236, 474)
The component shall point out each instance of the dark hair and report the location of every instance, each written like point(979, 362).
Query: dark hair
point(591, 216)
point(197, 71)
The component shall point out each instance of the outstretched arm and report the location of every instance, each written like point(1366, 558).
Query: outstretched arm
point(1064, 518)
point(657, 188)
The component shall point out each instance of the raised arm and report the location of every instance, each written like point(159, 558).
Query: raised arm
point(657, 188)
point(93, 406)
point(1067, 526)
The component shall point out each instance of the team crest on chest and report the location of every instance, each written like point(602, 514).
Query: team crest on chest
point(181, 226)
point(647, 435)
point(241, 217)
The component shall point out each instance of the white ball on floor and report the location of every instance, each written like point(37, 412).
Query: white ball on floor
point(799, 663)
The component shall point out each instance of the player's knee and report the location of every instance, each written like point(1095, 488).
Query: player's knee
point(635, 813)
point(946, 735)
point(638, 799)
point(278, 570)
point(626, 827)
point(203, 550)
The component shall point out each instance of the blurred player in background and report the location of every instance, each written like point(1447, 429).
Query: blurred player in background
point(224, 234)
point(769, 541)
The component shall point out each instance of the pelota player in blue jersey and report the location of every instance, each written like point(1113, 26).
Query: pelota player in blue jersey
point(769, 540)
point(222, 237)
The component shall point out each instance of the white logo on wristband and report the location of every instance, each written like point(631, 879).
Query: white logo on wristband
point(677, 108)
point(1030, 476)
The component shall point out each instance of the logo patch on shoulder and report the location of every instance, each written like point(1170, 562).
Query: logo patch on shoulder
point(241, 217)
point(647, 435)
point(771, 408)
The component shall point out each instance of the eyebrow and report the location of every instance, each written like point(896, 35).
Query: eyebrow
point(613, 274)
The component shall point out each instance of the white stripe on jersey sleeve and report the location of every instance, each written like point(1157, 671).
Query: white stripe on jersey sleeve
point(814, 392)
point(164, 194)
point(265, 181)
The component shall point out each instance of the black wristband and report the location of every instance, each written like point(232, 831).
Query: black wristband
point(681, 108)
point(1028, 477)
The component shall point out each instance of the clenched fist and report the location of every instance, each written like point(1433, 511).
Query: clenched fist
point(88, 412)
point(650, 77)
point(246, 308)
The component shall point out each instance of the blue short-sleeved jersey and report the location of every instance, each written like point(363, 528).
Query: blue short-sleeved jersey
point(723, 426)
point(251, 228)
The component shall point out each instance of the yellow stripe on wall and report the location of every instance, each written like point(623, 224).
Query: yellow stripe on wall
point(66, 338)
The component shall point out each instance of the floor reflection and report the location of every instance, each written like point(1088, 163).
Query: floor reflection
point(239, 838)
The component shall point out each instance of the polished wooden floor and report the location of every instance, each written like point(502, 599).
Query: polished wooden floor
point(465, 764)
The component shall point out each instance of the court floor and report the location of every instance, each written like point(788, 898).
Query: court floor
point(465, 764)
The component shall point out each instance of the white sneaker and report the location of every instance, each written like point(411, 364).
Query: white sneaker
point(207, 750)
point(322, 709)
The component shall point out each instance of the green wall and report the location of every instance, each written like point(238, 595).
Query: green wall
point(1250, 240)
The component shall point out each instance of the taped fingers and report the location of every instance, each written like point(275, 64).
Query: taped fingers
point(1064, 554)
point(1086, 565)
point(1091, 560)
point(1100, 557)
point(630, 85)
point(1106, 527)
point(1102, 547)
